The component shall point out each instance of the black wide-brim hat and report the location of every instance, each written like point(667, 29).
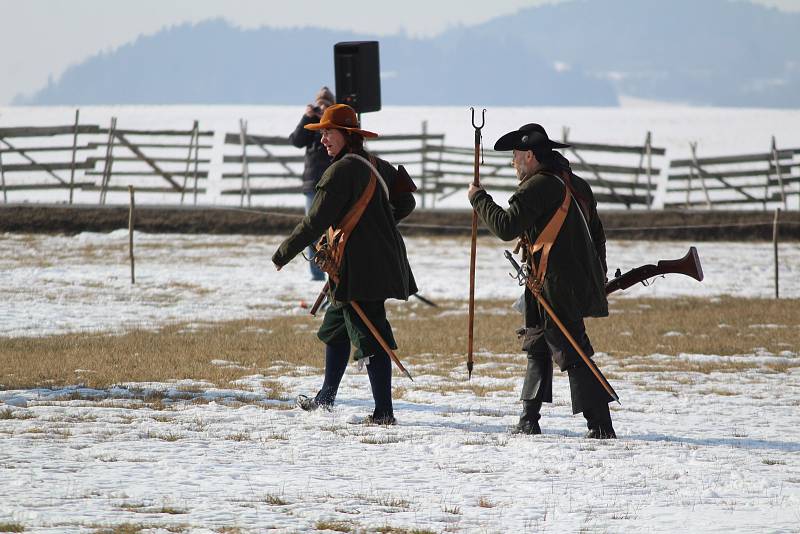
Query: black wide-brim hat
point(529, 137)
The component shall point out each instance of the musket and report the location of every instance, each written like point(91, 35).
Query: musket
point(320, 299)
point(524, 279)
point(689, 265)
point(476, 181)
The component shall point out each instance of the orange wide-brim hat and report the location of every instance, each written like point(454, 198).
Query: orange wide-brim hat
point(340, 117)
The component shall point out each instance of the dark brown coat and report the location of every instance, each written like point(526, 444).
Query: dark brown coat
point(575, 282)
point(375, 265)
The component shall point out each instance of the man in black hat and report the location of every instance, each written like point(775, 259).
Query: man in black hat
point(574, 284)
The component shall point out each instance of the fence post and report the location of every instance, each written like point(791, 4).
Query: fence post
point(766, 186)
point(438, 174)
point(775, 247)
point(188, 160)
point(778, 172)
point(109, 160)
point(245, 170)
point(424, 159)
point(130, 233)
point(648, 146)
point(3, 178)
point(700, 175)
point(74, 153)
point(638, 169)
point(197, 159)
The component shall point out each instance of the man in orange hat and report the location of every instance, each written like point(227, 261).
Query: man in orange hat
point(374, 265)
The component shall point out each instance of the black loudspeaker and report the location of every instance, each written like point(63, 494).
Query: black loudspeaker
point(357, 69)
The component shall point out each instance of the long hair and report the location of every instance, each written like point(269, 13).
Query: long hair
point(545, 156)
point(353, 142)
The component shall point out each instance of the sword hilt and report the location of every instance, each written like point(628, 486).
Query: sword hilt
point(520, 276)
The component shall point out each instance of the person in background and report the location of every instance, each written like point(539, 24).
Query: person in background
point(374, 265)
point(574, 285)
point(317, 159)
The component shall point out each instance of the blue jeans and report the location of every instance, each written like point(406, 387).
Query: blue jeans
point(316, 273)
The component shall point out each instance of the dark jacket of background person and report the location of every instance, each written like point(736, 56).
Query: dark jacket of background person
point(317, 159)
point(375, 265)
point(575, 282)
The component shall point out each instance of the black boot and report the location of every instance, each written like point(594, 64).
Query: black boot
point(336, 356)
point(589, 397)
point(306, 403)
point(529, 418)
point(386, 420)
point(602, 432)
point(598, 420)
point(379, 370)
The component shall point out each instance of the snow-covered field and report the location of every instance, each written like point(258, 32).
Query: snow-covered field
point(56, 284)
point(716, 452)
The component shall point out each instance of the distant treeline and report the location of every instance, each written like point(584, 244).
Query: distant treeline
point(577, 53)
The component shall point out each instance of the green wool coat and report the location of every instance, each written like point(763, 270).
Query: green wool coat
point(575, 282)
point(375, 265)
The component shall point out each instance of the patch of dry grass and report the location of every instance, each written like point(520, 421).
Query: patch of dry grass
point(432, 339)
point(275, 500)
point(336, 526)
point(723, 326)
point(484, 502)
point(388, 529)
point(381, 439)
point(156, 356)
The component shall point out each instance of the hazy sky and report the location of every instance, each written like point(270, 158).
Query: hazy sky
point(41, 38)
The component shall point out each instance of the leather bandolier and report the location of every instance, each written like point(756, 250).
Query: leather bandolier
point(330, 248)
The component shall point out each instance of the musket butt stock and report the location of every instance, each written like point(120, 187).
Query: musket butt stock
point(689, 265)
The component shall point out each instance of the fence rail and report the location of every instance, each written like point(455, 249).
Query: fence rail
point(764, 179)
point(90, 162)
point(106, 160)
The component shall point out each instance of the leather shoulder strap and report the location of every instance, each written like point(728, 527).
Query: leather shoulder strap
point(583, 202)
point(337, 236)
point(352, 217)
point(546, 238)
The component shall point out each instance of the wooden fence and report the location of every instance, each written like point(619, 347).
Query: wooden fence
point(621, 185)
point(154, 161)
point(94, 160)
point(43, 158)
point(764, 180)
point(439, 169)
point(90, 162)
point(270, 165)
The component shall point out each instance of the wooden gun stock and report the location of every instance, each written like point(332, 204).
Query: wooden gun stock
point(320, 298)
point(689, 265)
